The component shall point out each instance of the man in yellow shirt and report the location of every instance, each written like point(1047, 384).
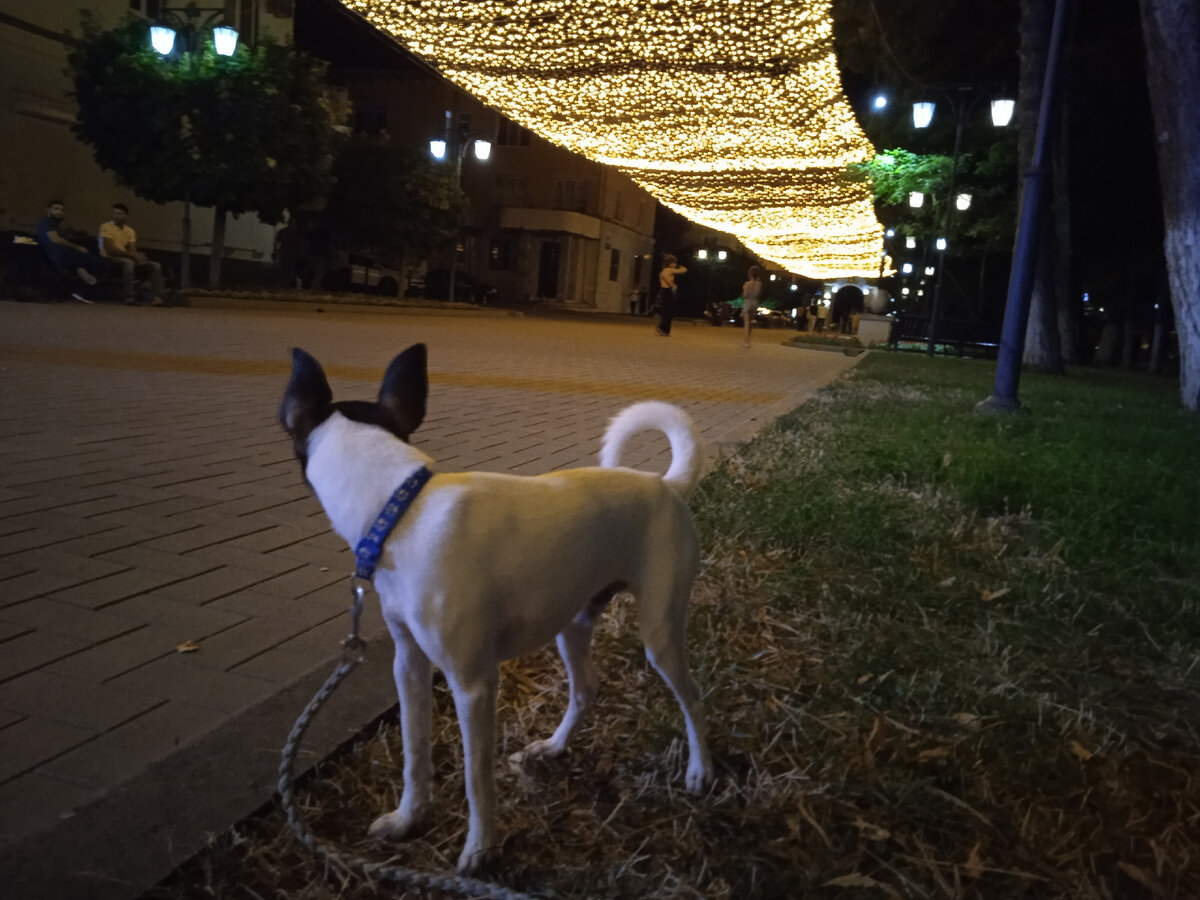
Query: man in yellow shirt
point(118, 243)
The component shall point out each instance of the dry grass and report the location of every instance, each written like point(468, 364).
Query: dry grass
point(910, 696)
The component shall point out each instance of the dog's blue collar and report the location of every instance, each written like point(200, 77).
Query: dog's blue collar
point(367, 553)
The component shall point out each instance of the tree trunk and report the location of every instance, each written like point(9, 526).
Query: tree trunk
point(1158, 343)
point(1042, 348)
point(218, 248)
point(1068, 301)
point(1128, 341)
point(1171, 30)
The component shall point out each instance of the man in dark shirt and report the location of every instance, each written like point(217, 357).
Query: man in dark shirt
point(63, 252)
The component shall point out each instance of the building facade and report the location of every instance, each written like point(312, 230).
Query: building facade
point(40, 158)
point(545, 224)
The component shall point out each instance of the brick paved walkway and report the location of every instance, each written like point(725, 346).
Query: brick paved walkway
point(148, 497)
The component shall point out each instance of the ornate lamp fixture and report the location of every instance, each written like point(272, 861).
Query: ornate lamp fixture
point(729, 113)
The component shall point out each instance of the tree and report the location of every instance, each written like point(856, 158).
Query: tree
point(393, 200)
point(1043, 347)
point(250, 132)
point(1171, 31)
point(986, 229)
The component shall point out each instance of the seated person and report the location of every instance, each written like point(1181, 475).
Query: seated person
point(64, 253)
point(118, 243)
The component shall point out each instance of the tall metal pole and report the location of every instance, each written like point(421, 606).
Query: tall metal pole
point(960, 114)
point(1029, 230)
point(459, 150)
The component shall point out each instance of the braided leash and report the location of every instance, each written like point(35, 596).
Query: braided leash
point(467, 887)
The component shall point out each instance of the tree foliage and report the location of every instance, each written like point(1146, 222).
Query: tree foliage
point(250, 132)
point(987, 225)
point(393, 200)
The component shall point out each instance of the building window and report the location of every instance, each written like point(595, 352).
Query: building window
point(502, 254)
point(510, 134)
point(370, 118)
point(614, 264)
point(283, 9)
point(637, 270)
point(617, 206)
point(570, 194)
point(511, 191)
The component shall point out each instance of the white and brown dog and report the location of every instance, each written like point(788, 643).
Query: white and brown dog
point(485, 567)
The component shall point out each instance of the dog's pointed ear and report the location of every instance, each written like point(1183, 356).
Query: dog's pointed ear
point(404, 391)
point(307, 390)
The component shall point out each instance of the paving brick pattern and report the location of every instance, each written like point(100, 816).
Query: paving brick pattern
point(148, 497)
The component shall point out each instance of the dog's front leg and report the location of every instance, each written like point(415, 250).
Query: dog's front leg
point(414, 680)
point(475, 701)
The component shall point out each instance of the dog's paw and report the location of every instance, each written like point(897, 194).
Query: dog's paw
point(698, 776)
point(477, 855)
point(393, 826)
point(547, 749)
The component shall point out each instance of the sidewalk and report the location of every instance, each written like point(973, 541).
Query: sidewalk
point(149, 498)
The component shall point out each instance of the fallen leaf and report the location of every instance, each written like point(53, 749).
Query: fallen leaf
point(967, 720)
point(1081, 751)
point(933, 753)
point(974, 864)
point(947, 582)
point(863, 679)
point(187, 647)
point(1142, 877)
point(946, 460)
point(870, 831)
point(990, 595)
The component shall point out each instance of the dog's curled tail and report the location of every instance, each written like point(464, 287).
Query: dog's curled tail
point(654, 415)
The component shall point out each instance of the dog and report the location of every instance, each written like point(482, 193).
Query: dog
point(484, 567)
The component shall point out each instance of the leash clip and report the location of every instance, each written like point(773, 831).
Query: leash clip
point(353, 644)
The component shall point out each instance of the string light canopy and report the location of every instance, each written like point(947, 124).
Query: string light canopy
point(730, 113)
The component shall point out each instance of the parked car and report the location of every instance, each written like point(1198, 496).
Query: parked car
point(467, 289)
point(365, 275)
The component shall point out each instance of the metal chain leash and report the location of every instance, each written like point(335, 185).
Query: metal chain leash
point(352, 655)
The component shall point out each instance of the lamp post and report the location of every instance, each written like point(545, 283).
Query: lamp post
point(1033, 196)
point(454, 143)
point(710, 258)
point(922, 117)
point(177, 30)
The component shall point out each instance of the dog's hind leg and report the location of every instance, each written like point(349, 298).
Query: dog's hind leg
point(574, 646)
point(414, 680)
point(663, 634)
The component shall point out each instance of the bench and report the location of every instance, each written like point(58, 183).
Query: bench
point(29, 274)
point(964, 335)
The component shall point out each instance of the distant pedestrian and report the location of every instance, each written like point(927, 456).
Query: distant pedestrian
point(320, 252)
point(751, 293)
point(288, 254)
point(666, 294)
point(118, 244)
point(65, 254)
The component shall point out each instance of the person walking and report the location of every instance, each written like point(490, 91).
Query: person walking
point(751, 292)
point(118, 244)
point(666, 294)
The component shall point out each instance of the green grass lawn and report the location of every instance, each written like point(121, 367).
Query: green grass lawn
point(943, 655)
